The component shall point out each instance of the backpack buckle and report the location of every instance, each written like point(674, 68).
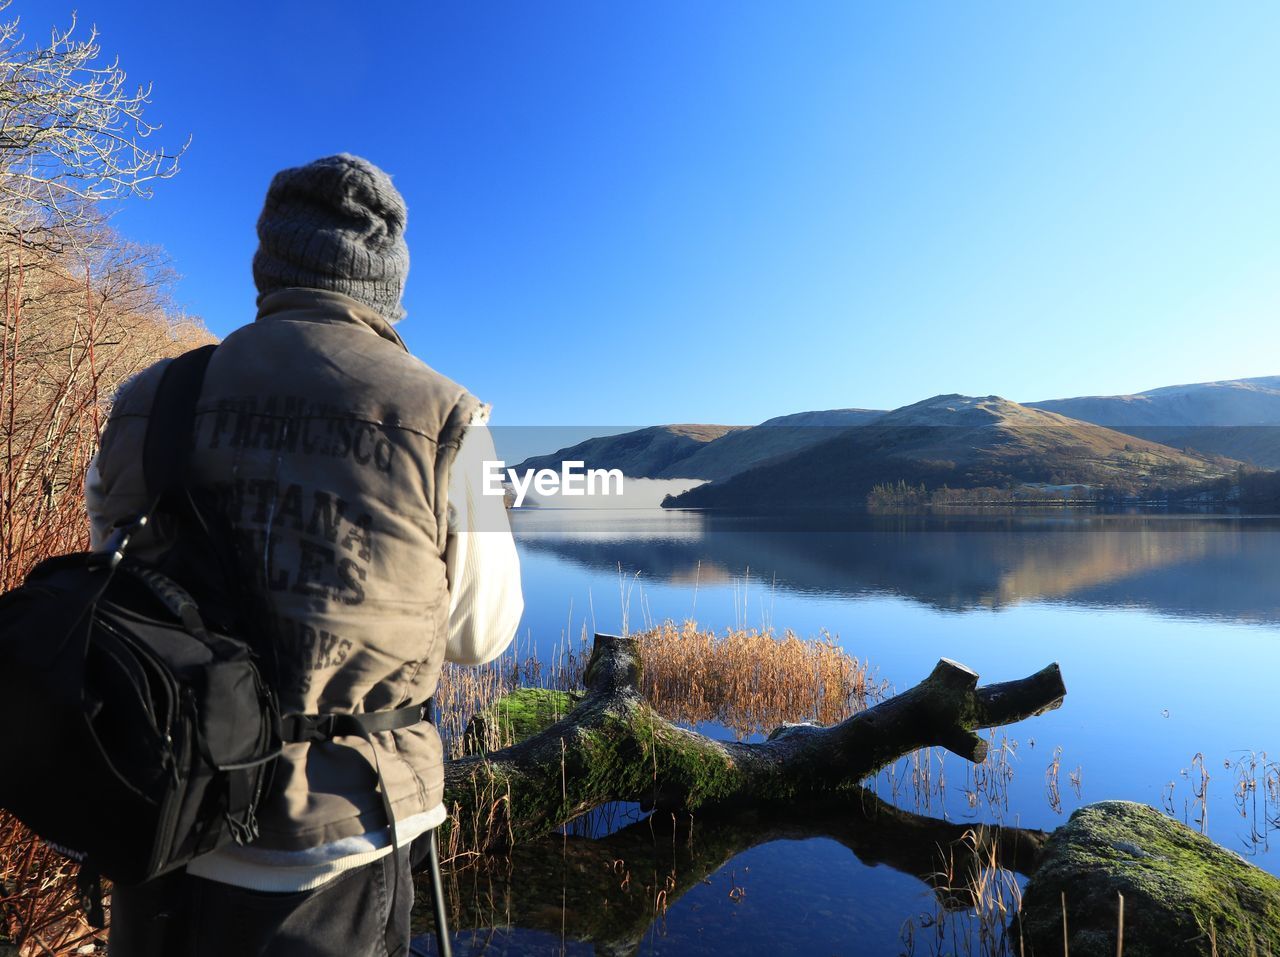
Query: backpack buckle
point(243, 832)
point(303, 728)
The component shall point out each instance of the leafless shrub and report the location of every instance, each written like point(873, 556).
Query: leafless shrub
point(82, 310)
point(76, 324)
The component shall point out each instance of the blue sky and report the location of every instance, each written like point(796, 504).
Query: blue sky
point(723, 211)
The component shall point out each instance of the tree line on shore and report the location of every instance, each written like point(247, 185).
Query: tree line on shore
point(1249, 486)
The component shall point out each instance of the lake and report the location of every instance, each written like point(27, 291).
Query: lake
point(1166, 627)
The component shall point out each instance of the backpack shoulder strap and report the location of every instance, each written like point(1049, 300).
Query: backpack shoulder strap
point(170, 429)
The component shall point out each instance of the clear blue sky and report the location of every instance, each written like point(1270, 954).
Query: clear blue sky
point(723, 211)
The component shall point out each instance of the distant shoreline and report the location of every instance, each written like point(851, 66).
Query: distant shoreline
point(1115, 507)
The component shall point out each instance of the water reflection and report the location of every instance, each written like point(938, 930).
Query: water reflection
point(1147, 694)
point(615, 891)
point(1188, 566)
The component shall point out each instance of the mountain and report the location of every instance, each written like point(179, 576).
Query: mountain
point(742, 449)
point(710, 452)
point(1238, 418)
point(644, 453)
point(1233, 402)
point(961, 442)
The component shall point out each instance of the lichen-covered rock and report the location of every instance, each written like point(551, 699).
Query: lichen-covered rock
point(1183, 894)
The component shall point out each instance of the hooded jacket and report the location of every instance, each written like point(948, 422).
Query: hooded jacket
point(328, 448)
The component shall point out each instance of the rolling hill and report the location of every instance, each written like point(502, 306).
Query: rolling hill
point(709, 452)
point(960, 442)
point(643, 453)
point(784, 435)
point(1237, 418)
point(1232, 402)
point(1167, 436)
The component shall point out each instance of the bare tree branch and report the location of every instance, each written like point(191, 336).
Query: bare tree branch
point(71, 131)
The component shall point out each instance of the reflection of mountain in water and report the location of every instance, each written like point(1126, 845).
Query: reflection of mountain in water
point(1194, 566)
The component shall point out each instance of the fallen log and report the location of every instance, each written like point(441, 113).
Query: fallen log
point(612, 746)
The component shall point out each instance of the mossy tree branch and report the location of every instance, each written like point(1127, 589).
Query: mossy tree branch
point(613, 747)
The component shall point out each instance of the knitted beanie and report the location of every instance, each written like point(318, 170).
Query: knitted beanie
point(337, 223)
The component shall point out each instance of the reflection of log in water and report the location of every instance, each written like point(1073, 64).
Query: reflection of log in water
point(609, 891)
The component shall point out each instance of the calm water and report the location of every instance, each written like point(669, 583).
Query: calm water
point(1167, 629)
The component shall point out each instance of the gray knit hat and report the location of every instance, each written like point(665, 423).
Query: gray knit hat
point(338, 224)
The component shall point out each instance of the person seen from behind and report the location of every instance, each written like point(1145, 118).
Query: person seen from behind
point(348, 474)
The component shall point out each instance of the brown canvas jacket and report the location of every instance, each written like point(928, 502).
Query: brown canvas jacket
point(328, 446)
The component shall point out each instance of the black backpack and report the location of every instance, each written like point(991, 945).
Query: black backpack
point(140, 730)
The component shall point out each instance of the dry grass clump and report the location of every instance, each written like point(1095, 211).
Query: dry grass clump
point(751, 680)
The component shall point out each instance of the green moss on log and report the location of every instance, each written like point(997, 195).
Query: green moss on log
point(700, 769)
point(518, 715)
point(1180, 889)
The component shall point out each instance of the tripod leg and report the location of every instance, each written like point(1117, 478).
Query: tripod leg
point(437, 898)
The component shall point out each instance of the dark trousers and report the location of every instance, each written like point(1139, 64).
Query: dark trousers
point(183, 916)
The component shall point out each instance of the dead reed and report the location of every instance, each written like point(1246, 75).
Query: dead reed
point(748, 680)
point(977, 902)
point(1257, 797)
point(1051, 781)
point(751, 680)
point(918, 781)
point(1255, 792)
point(1199, 777)
point(989, 781)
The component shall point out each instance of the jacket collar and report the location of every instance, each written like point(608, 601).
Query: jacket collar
point(322, 305)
